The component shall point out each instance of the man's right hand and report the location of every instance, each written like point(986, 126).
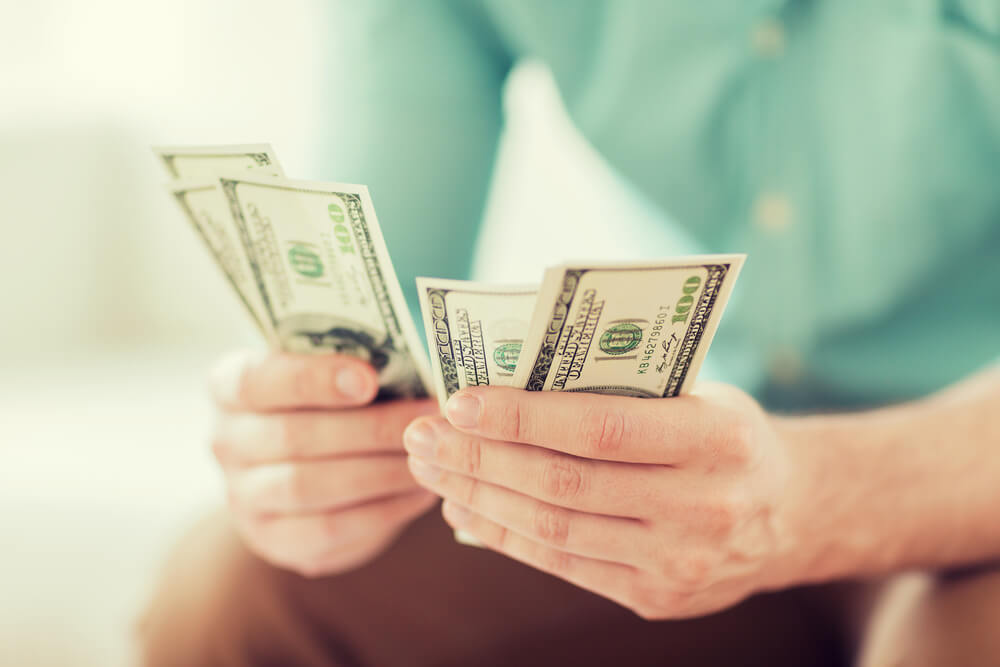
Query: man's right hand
point(316, 474)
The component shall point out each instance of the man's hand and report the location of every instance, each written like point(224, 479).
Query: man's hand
point(316, 477)
point(673, 507)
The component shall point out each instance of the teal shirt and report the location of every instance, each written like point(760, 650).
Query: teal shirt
point(851, 148)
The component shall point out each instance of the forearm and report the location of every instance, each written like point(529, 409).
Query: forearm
point(911, 486)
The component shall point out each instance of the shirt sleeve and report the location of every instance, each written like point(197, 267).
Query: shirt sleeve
point(412, 109)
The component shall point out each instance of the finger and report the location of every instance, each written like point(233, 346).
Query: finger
point(249, 438)
point(599, 487)
point(254, 382)
point(316, 486)
point(612, 428)
point(611, 580)
point(309, 541)
point(607, 538)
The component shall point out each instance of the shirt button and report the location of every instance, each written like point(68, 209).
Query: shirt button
point(785, 367)
point(772, 212)
point(768, 38)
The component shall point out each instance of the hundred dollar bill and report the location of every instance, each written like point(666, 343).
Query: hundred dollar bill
point(637, 329)
point(194, 171)
point(325, 277)
point(474, 331)
point(207, 208)
point(199, 162)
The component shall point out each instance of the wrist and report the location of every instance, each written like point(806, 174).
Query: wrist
point(827, 529)
point(908, 486)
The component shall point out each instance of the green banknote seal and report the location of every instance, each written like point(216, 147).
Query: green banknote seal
point(620, 338)
point(506, 355)
point(305, 261)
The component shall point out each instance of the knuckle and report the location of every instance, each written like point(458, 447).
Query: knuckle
point(642, 601)
point(722, 517)
point(239, 390)
point(332, 527)
point(471, 456)
point(232, 501)
point(514, 423)
point(502, 541)
point(692, 572)
point(470, 493)
point(220, 447)
point(389, 517)
point(551, 524)
point(259, 548)
point(243, 503)
point(603, 431)
point(275, 559)
point(245, 389)
point(682, 603)
point(226, 379)
point(728, 512)
point(294, 434)
point(307, 570)
point(311, 382)
point(653, 602)
point(556, 561)
point(647, 613)
point(738, 442)
point(312, 567)
point(256, 536)
point(561, 479)
point(297, 486)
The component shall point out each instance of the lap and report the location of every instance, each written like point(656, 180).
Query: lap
point(430, 601)
point(924, 619)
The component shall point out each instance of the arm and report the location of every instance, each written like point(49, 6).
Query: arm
point(413, 92)
point(679, 507)
point(915, 485)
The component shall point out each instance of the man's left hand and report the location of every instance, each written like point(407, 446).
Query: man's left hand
point(671, 507)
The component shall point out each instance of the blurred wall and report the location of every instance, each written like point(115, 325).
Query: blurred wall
point(111, 310)
point(94, 257)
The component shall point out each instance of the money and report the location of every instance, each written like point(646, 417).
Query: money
point(206, 207)
point(639, 329)
point(194, 172)
point(309, 262)
point(325, 276)
point(200, 162)
point(474, 331)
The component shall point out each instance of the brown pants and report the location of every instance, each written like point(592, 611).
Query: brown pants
point(430, 601)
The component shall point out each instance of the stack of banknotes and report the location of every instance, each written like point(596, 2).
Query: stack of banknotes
point(310, 264)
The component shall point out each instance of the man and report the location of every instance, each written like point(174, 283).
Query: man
point(852, 149)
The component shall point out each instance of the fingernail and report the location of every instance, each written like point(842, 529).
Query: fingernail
point(463, 410)
point(456, 514)
point(424, 471)
point(419, 440)
point(352, 383)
